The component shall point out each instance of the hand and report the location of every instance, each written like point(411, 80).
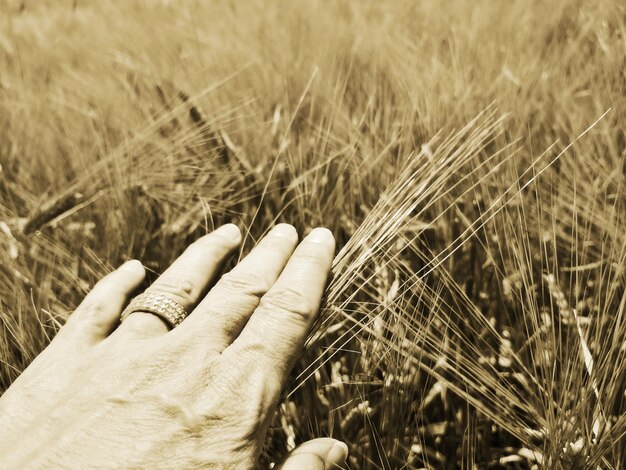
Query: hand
point(136, 395)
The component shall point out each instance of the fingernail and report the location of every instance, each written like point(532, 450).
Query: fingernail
point(320, 235)
point(285, 230)
point(229, 231)
point(132, 265)
point(337, 455)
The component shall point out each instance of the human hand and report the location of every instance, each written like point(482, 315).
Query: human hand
point(136, 395)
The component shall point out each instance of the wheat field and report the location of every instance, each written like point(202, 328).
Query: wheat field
point(469, 157)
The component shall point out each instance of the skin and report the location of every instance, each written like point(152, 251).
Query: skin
point(136, 395)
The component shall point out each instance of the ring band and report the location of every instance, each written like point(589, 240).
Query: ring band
point(161, 305)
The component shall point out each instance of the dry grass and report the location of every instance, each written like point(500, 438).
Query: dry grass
point(469, 156)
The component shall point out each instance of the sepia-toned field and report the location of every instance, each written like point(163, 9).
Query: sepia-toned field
point(469, 157)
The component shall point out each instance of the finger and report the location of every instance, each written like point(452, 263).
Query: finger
point(317, 454)
point(275, 333)
point(99, 312)
point(186, 279)
point(221, 315)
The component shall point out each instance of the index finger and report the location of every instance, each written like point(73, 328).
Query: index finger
point(275, 334)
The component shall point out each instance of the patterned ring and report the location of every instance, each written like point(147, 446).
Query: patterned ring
point(161, 305)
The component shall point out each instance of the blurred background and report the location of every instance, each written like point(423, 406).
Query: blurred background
point(469, 156)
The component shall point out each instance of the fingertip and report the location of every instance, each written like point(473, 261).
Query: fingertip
point(337, 455)
point(230, 232)
point(321, 235)
point(133, 266)
point(322, 453)
point(285, 231)
point(318, 245)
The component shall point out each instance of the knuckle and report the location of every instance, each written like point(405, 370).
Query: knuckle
point(268, 361)
point(179, 286)
point(91, 309)
point(258, 348)
point(288, 300)
point(244, 282)
point(92, 312)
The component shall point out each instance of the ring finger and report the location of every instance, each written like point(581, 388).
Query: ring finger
point(186, 279)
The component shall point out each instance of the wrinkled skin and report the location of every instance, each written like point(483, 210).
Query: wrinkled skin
point(136, 395)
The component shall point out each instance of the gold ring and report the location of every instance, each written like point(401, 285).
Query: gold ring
point(161, 305)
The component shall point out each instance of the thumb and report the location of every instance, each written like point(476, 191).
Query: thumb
point(317, 454)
